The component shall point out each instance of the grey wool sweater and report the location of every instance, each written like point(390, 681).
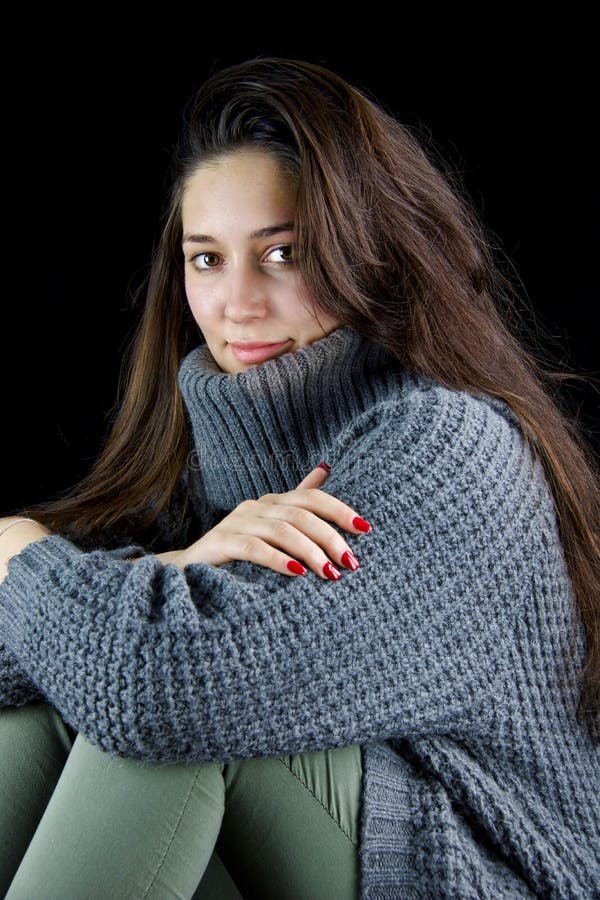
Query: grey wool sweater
point(451, 656)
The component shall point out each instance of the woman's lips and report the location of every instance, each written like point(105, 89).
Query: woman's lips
point(252, 352)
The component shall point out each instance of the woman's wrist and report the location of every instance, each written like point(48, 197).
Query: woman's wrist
point(174, 557)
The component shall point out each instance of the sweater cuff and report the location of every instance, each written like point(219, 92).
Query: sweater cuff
point(52, 550)
point(34, 566)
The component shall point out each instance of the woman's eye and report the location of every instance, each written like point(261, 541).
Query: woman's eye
point(287, 252)
point(210, 260)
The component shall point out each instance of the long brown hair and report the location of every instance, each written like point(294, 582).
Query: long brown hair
point(389, 243)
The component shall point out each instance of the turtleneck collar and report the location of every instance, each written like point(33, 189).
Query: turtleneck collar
point(262, 430)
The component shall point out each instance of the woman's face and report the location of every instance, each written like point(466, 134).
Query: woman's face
point(241, 280)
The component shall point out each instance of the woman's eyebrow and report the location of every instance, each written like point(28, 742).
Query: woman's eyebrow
point(269, 231)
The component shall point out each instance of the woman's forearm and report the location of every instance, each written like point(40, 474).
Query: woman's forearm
point(215, 663)
point(151, 662)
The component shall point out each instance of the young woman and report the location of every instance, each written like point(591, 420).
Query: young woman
point(221, 679)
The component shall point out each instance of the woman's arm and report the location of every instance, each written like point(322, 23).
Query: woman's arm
point(16, 689)
point(15, 534)
point(155, 663)
point(175, 526)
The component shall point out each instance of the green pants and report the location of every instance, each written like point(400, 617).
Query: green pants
point(79, 824)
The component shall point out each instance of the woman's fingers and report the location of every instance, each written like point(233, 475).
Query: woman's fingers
point(296, 535)
point(315, 501)
point(316, 477)
point(296, 522)
point(284, 532)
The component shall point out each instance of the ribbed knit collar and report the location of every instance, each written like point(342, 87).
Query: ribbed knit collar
point(262, 430)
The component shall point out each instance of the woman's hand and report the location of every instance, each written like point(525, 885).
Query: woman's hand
point(292, 521)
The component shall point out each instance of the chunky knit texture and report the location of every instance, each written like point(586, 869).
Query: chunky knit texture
point(451, 655)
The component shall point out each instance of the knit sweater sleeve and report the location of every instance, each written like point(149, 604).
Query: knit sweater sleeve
point(16, 689)
point(175, 527)
point(217, 663)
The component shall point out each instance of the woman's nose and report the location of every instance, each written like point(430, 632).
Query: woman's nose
point(245, 293)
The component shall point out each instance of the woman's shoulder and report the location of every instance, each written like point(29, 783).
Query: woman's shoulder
point(424, 419)
point(433, 404)
point(453, 453)
point(449, 472)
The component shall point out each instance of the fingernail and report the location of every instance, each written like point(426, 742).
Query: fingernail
point(296, 567)
point(330, 570)
point(350, 560)
point(325, 466)
point(361, 524)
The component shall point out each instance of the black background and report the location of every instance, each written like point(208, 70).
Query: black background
point(91, 115)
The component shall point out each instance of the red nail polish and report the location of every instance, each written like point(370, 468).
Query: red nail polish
point(330, 570)
point(325, 466)
point(350, 561)
point(296, 567)
point(361, 524)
